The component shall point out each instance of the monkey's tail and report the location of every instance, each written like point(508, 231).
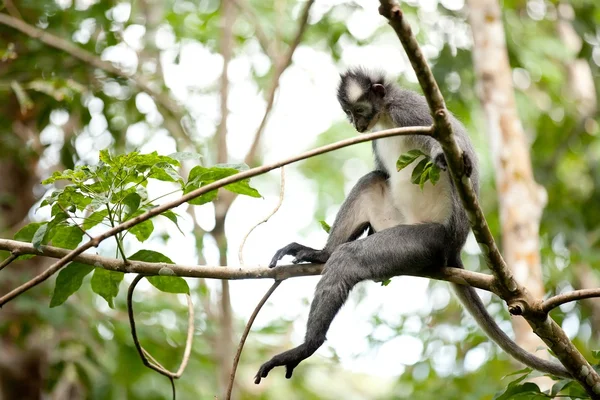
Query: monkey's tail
point(472, 302)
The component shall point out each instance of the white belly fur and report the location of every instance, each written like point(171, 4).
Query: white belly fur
point(433, 203)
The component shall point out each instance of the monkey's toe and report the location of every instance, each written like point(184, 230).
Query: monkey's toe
point(263, 371)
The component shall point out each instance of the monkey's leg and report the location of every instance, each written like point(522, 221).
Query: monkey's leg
point(367, 206)
point(400, 250)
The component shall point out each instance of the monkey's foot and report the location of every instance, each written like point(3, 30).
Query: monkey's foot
point(290, 359)
point(301, 253)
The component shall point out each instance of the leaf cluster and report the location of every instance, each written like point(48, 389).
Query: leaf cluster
point(110, 193)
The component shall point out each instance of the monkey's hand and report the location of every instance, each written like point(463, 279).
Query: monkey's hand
point(440, 161)
point(290, 359)
point(301, 253)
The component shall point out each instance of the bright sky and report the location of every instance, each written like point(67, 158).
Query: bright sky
point(305, 107)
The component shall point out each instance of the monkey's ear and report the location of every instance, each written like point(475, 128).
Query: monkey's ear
point(378, 89)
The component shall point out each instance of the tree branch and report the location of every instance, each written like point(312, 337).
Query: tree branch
point(12, 257)
point(519, 300)
point(89, 58)
point(147, 359)
point(280, 67)
point(455, 275)
point(418, 130)
point(236, 360)
point(555, 301)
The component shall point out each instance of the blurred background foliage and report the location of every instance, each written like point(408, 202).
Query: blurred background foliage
point(59, 111)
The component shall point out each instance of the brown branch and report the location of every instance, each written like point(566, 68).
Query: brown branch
point(89, 58)
point(279, 203)
point(236, 360)
point(259, 33)
point(280, 67)
point(12, 9)
point(12, 257)
point(419, 130)
point(147, 359)
point(555, 301)
point(518, 298)
point(455, 275)
point(443, 133)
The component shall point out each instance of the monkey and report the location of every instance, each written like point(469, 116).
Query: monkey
point(409, 229)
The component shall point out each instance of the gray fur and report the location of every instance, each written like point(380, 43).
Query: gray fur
point(394, 246)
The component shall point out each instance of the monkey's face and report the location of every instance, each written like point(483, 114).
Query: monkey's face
point(362, 115)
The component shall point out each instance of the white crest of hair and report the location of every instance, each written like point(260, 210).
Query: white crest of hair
point(353, 90)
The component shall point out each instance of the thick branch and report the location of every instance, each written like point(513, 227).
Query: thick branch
point(516, 295)
point(200, 191)
point(453, 153)
point(555, 301)
point(456, 275)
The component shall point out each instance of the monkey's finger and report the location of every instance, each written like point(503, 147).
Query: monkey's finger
point(288, 371)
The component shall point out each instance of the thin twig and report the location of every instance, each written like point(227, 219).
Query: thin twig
point(236, 360)
point(419, 130)
point(75, 222)
point(281, 194)
point(560, 299)
point(456, 275)
point(280, 67)
point(147, 359)
point(12, 257)
point(259, 33)
point(12, 9)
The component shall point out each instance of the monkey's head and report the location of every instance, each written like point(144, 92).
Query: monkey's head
point(361, 94)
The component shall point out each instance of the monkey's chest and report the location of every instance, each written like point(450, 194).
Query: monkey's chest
point(433, 203)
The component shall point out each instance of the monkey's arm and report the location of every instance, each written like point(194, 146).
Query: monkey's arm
point(367, 206)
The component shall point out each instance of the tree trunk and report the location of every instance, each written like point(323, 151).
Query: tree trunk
point(521, 198)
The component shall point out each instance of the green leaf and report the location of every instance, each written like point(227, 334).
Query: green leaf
point(203, 199)
point(132, 202)
point(425, 175)
point(325, 226)
point(165, 173)
point(185, 155)
point(173, 217)
point(69, 280)
point(385, 282)
point(150, 256)
point(243, 187)
point(106, 284)
point(38, 237)
point(407, 158)
point(94, 219)
point(143, 230)
point(67, 236)
point(169, 284)
point(434, 174)
point(596, 354)
point(416, 174)
point(25, 234)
